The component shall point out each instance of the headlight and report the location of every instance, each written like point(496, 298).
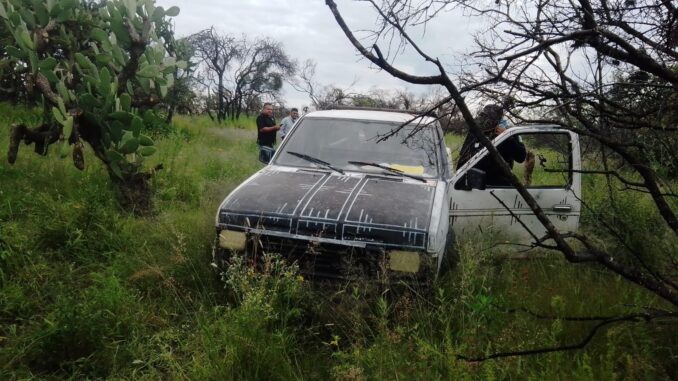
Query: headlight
point(405, 261)
point(229, 239)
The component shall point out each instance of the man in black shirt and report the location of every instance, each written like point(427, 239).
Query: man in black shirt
point(266, 127)
point(512, 150)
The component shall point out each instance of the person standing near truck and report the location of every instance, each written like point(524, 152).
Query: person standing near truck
point(287, 123)
point(266, 127)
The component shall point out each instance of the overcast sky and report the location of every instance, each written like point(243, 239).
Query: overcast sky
point(308, 30)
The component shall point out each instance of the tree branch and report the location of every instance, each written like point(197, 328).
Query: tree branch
point(633, 318)
point(379, 61)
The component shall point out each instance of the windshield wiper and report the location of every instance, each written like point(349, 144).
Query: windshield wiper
point(389, 169)
point(315, 161)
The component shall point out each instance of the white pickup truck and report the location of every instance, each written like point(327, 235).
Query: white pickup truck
point(339, 200)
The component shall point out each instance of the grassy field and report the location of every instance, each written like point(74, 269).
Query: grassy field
point(88, 291)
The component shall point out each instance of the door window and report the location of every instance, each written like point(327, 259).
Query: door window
point(548, 162)
point(539, 160)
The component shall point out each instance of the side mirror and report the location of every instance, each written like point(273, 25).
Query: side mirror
point(474, 178)
point(265, 154)
point(477, 178)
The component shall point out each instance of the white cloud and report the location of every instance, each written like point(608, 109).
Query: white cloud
point(308, 30)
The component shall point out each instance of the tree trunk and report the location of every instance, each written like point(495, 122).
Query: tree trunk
point(221, 115)
point(170, 114)
point(134, 192)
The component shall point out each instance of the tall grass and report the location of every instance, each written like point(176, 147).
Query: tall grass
point(88, 291)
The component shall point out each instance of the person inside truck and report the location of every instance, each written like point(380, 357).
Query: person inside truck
point(512, 150)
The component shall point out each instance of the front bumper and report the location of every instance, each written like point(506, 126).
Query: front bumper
point(321, 258)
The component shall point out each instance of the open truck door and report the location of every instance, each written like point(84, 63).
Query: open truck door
point(555, 184)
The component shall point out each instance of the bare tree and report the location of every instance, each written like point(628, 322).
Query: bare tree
point(642, 36)
point(259, 71)
point(404, 99)
point(215, 53)
point(234, 71)
point(327, 96)
point(322, 96)
point(594, 58)
point(305, 82)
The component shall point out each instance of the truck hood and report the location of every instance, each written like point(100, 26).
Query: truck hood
point(356, 207)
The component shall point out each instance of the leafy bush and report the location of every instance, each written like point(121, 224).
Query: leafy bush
point(255, 338)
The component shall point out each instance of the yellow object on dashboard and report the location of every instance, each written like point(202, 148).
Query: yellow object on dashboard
point(409, 169)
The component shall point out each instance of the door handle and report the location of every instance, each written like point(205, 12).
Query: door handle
point(562, 208)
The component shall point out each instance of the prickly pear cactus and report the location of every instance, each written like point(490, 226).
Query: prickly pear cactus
point(99, 68)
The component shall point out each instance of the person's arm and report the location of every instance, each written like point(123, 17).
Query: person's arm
point(269, 129)
point(517, 149)
point(285, 125)
point(511, 146)
point(261, 128)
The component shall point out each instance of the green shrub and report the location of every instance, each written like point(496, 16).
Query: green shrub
point(88, 332)
point(254, 339)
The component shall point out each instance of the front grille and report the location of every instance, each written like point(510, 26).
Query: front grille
point(324, 260)
point(330, 261)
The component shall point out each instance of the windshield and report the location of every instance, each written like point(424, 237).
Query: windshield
point(338, 141)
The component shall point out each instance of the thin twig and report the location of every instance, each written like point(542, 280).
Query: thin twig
point(536, 239)
point(634, 318)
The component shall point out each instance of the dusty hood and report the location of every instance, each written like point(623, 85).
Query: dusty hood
point(366, 208)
